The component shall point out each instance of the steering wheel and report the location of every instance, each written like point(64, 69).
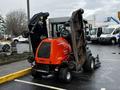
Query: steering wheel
point(65, 33)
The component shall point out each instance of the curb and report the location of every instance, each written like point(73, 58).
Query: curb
point(15, 75)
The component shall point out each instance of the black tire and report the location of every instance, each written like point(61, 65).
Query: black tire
point(35, 74)
point(6, 48)
point(94, 41)
point(119, 42)
point(16, 41)
point(65, 75)
point(113, 41)
point(89, 65)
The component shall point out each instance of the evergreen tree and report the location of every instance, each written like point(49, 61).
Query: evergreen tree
point(2, 25)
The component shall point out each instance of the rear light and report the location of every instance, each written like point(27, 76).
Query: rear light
point(56, 69)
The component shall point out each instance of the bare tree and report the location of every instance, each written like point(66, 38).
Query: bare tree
point(2, 25)
point(16, 22)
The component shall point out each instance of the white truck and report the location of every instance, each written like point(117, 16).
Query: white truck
point(20, 39)
point(110, 34)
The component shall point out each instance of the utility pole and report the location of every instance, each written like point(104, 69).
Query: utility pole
point(94, 20)
point(28, 10)
point(28, 16)
point(119, 15)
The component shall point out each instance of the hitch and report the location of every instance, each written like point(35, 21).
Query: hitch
point(97, 62)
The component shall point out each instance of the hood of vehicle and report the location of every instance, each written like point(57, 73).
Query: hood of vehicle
point(93, 36)
point(105, 35)
point(5, 42)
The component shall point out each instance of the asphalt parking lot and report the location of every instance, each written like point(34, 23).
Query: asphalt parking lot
point(104, 78)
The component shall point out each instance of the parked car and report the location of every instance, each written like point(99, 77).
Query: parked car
point(20, 39)
point(93, 35)
point(110, 34)
point(5, 46)
point(87, 34)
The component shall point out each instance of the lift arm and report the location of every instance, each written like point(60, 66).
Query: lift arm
point(109, 19)
point(78, 38)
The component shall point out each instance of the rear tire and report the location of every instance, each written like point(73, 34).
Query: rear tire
point(65, 75)
point(16, 41)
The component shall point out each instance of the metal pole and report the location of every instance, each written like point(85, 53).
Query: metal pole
point(28, 15)
point(28, 10)
point(94, 19)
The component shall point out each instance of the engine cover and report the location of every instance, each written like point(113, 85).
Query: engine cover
point(53, 51)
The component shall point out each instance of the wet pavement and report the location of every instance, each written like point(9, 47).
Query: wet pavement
point(104, 78)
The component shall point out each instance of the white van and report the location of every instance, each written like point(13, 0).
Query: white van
point(110, 34)
point(95, 34)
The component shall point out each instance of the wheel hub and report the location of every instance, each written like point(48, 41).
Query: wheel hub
point(113, 41)
point(92, 64)
point(68, 75)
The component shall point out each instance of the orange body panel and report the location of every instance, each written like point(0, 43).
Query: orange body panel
point(59, 51)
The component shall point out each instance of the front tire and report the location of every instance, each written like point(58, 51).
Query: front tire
point(6, 48)
point(113, 41)
point(65, 75)
point(35, 74)
point(89, 65)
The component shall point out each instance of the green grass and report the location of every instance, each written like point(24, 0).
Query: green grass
point(4, 59)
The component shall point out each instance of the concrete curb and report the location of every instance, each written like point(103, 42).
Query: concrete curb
point(15, 75)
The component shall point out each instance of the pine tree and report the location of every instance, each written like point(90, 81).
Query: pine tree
point(2, 25)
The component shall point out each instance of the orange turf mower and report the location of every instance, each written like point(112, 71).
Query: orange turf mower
point(60, 52)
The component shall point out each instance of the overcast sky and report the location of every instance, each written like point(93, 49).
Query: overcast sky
point(59, 8)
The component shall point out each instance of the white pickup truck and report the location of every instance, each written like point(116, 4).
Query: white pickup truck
point(20, 39)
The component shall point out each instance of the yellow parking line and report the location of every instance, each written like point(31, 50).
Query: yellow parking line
point(15, 75)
